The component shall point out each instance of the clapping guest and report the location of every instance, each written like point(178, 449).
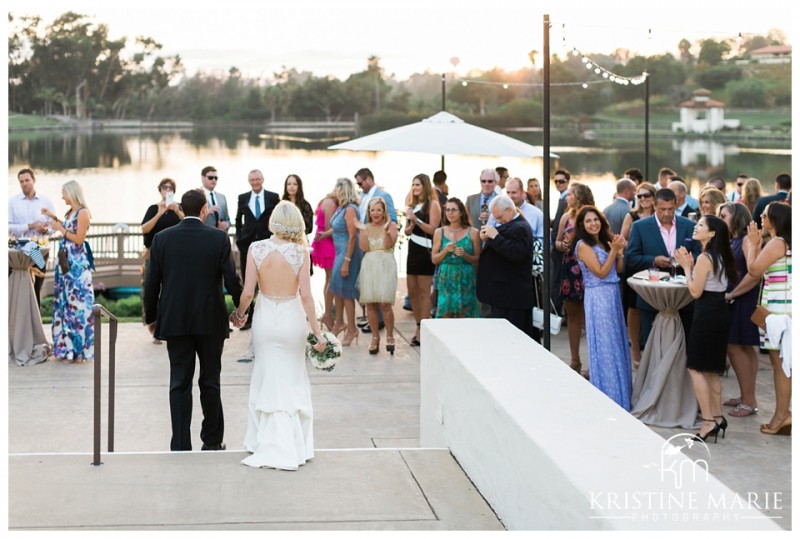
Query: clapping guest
point(347, 263)
point(710, 199)
point(422, 219)
point(707, 343)
point(571, 290)
point(378, 277)
point(774, 262)
point(456, 251)
point(159, 217)
point(744, 333)
point(73, 323)
point(599, 254)
point(293, 192)
point(645, 207)
point(323, 250)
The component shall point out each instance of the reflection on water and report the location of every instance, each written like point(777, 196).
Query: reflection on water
point(119, 171)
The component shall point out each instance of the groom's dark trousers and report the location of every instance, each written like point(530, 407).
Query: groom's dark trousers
point(183, 295)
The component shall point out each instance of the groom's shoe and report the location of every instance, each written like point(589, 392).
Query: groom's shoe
point(219, 447)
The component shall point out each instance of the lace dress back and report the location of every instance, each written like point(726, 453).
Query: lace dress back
point(293, 257)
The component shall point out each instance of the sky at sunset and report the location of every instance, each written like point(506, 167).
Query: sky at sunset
point(336, 37)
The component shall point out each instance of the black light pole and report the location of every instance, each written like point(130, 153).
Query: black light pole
point(546, 181)
point(443, 109)
point(647, 126)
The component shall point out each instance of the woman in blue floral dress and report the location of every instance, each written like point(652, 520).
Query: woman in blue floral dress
point(73, 323)
point(456, 249)
point(599, 254)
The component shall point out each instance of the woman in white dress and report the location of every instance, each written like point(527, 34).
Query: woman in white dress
point(279, 421)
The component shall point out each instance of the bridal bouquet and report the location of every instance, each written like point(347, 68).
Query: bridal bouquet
point(328, 358)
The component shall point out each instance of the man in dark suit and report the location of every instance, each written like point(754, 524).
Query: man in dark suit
point(504, 268)
point(185, 305)
point(254, 209)
point(616, 212)
point(561, 179)
point(683, 207)
point(652, 241)
point(783, 186)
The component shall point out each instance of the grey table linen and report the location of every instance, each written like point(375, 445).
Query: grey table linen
point(27, 343)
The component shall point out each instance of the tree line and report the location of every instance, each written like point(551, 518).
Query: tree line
point(71, 67)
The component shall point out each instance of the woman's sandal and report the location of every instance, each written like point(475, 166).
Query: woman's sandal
point(783, 428)
point(733, 402)
point(743, 410)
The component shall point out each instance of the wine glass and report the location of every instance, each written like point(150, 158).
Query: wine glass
point(673, 272)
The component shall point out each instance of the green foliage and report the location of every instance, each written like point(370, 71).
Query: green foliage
point(718, 76)
point(521, 113)
point(712, 52)
point(750, 93)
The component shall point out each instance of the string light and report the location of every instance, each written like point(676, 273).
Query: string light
point(606, 74)
point(507, 85)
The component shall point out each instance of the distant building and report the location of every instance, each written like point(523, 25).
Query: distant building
point(701, 114)
point(775, 54)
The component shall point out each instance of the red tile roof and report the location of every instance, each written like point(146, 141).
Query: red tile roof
point(773, 49)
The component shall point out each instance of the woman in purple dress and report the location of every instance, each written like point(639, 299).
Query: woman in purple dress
point(599, 254)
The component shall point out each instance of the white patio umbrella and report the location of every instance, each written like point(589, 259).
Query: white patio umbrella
point(443, 134)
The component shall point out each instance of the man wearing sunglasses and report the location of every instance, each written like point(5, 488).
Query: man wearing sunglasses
point(217, 204)
point(736, 194)
point(478, 204)
point(561, 179)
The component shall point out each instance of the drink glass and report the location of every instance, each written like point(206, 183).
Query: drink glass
point(673, 272)
point(653, 274)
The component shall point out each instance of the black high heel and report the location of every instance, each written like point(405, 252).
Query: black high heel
point(714, 431)
point(390, 345)
point(723, 425)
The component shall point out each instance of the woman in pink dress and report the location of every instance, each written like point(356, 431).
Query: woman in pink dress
point(324, 251)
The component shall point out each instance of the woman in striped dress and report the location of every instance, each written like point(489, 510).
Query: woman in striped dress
point(774, 262)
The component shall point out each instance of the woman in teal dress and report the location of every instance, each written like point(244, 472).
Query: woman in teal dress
point(456, 249)
point(347, 264)
point(73, 293)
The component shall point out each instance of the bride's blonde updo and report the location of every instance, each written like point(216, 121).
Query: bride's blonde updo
point(287, 223)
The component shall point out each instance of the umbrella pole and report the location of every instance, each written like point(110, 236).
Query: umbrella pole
point(546, 288)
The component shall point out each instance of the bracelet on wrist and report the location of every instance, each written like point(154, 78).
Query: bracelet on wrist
point(347, 258)
point(237, 317)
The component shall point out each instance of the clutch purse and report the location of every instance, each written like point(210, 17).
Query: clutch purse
point(63, 262)
point(759, 317)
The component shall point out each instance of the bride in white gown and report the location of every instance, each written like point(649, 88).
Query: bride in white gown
point(280, 432)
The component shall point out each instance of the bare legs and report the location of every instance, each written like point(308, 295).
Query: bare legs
point(346, 309)
point(633, 334)
point(708, 390)
point(745, 364)
point(783, 391)
point(419, 291)
point(574, 327)
point(374, 324)
point(327, 317)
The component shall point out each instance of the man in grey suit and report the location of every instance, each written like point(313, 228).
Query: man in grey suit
point(218, 216)
point(616, 212)
point(478, 204)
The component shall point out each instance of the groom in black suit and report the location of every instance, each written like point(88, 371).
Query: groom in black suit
point(254, 209)
point(504, 268)
point(185, 305)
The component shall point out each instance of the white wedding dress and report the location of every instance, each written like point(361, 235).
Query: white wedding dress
point(279, 420)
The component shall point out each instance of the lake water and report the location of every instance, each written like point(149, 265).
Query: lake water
point(119, 172)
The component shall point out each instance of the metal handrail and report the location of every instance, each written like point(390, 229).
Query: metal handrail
point(98, 311)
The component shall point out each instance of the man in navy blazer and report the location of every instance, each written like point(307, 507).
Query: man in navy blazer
point(185, 306)
point(647, 249)
point(504, 268)
point(251, 227)
point(783, 184)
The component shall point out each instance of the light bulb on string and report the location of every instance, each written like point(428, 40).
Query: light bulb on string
point(584, 85)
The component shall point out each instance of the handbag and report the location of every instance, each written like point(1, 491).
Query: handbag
point(537, 316)
point(538, 258)
point(63, 261)
point(759, 317)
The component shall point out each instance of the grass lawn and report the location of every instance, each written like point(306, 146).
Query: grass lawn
point(28, 121)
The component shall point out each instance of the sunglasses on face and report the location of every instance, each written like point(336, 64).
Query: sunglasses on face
point(739, 184)
point(644, 195)
point(561, 181)
point(213, 177)
point(487, 181)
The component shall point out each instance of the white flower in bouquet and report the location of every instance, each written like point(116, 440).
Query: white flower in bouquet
point(328, 358)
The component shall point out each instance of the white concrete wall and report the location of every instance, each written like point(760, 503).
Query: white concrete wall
point(544, 447)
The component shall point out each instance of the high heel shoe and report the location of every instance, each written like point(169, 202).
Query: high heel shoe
point(375, 345)
point(714, 431)
point(390, 345)
point(348, 338)
point(327, 322)
point(575, 366)
point(338, 329)
point(783, 428)
point(723, 425)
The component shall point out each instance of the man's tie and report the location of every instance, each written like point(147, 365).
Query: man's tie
point(484, 208)
point(258, 206)
point(216, 213)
